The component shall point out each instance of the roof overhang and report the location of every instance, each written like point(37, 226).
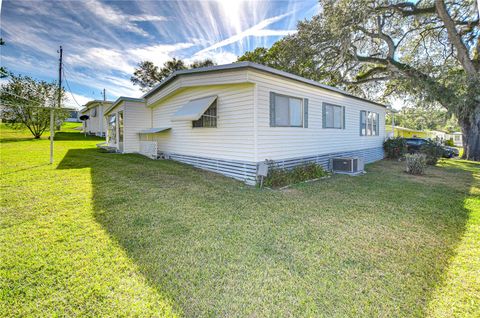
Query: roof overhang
point(194, 109)
point(120, 100)
point(95, 102)
point(255, 66)
point(154, 130)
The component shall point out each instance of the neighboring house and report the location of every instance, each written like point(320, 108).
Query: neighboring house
point(437, 135)
point(229, 118)
point(457, 138)
point(73, 115)
point(96, 123)
point(406, 132)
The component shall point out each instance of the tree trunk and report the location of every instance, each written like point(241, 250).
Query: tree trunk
point(471, 135)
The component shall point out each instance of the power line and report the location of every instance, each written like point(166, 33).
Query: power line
point(70, 90)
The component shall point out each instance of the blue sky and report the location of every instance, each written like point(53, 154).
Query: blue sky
point(104, 40)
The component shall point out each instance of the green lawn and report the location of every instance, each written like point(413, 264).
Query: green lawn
point(101, 234)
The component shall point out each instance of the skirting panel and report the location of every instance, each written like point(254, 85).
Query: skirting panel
point(246, 171)
point(368, 155)
point(240, 170)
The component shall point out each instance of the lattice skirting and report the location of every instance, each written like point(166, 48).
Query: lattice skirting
point(246, 171)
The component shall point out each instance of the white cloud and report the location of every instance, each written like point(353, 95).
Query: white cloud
point(116, 18)
point(257, 30)
point(76, 98)
point(219, 57)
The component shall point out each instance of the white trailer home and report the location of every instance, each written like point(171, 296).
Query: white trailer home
point(96, 122)
point(229, 118)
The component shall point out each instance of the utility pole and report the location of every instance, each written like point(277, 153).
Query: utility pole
point(52, 111)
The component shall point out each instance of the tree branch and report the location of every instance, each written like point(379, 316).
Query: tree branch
point(455, 38)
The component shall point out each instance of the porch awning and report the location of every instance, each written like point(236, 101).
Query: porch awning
point(194, 109)
point(154, 130)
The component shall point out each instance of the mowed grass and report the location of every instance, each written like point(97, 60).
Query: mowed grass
point(100, 234)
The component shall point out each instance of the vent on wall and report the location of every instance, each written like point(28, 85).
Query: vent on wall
point(351, 166)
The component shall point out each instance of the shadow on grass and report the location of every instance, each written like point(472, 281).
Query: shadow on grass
point(75, 136)
point(375, 245)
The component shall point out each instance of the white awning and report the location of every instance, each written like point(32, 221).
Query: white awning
point(194, 109)
point(154, 130)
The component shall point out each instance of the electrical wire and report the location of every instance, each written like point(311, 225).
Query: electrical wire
point(69, 89)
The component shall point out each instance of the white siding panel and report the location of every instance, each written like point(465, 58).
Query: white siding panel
point(291, 142)
point(193, 80)
point(233, 137)
point(136, 118)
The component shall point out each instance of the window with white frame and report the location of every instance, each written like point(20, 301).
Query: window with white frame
point(369, 123)
point(208, 119)
point(94, 112)
point(112, 129)
point(333, 116)
point(287, 111)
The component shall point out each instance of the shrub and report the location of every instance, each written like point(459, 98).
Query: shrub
point(395, 147)
point(416, 163)
point(449, 142)
point(279, 177)
point(432, 151)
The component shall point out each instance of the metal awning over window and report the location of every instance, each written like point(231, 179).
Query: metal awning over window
point(194, 109)
point(154, 130)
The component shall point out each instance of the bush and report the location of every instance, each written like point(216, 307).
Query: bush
point(416, 163)
point(449, 142)
point(395, 148)
point(279, 177)
point(432, 151)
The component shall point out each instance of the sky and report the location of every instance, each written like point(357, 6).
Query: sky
point(103, 41)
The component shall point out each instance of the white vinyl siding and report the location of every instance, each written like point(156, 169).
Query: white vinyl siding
point(137, 118)
point(284, 142)
point(233, 138)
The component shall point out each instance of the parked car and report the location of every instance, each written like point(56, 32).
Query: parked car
point(414, 145)
point(450, 152)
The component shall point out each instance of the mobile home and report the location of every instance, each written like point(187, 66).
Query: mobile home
point(229, 118)
point(96, 122)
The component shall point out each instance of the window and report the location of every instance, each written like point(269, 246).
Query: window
point(369, 123)
point(208, 119)
point(112, 130)
point(94, 112)
point(333, 116)
point(120, 127)
point(286, 111)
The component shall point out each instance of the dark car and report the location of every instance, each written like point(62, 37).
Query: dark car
point(414, 145)
point(450, 152)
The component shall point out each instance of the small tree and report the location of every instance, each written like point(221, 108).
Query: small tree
point(27, 103)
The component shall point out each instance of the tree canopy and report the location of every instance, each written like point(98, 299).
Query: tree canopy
point(147, 74)
point(27, 102)
point(428, 51)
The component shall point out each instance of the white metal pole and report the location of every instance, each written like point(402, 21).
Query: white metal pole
point(52, 133)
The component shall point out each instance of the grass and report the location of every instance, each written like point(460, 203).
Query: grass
point(100, 234)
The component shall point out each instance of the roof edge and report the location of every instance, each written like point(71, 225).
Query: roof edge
point(123, 99)
point(267, 69)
